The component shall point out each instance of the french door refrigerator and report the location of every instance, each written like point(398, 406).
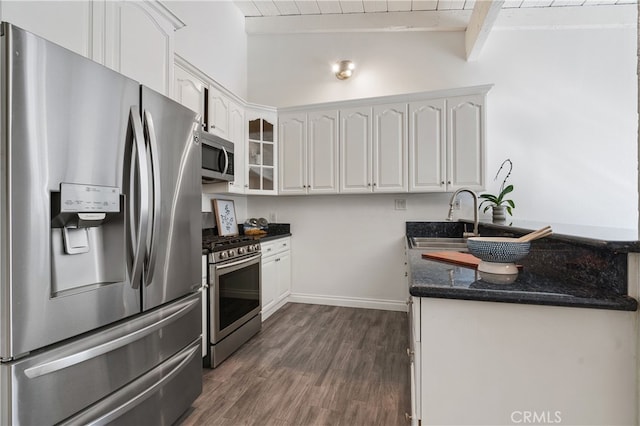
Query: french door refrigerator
point(100, 316)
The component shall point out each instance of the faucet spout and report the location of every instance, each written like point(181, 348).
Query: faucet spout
point(475, 210)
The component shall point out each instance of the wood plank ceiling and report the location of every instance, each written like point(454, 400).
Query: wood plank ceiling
point(256, 8)
point(475, 17)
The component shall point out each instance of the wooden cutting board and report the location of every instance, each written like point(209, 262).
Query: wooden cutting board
point(455, 257)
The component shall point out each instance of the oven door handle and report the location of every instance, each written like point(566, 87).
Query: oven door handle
point(239, 262)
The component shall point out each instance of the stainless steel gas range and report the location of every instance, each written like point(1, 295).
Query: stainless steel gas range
point(233, 294)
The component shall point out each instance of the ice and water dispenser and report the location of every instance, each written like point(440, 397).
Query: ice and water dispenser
point(87, 238)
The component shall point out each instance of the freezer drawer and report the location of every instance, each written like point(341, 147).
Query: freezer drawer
point(50, 386)
point(157, 398)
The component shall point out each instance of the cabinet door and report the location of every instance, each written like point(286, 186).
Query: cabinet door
point(390, 148)
point(218, 112)
point(355, 150)
point(269, 284)
point(140, 43)
point(427, 146)
point(322, 152)
point(237, 136)
point(261, 173)
point(67, 23)
point(284, 275)
point(189, 90)
point(292, 130)
point(465, 142)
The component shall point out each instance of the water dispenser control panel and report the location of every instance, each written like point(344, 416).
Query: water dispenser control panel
point(79, 198)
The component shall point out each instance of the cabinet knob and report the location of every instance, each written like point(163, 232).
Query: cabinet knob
point(448, 182)
point(369, 184)
point(442, 183)
point(213, 126)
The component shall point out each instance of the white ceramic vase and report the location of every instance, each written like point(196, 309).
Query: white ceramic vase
point(499, 214)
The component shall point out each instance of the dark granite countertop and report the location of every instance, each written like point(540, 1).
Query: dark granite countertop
point(556, 272)
point(430, 278)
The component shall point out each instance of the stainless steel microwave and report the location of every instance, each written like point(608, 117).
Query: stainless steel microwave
point(217, 158)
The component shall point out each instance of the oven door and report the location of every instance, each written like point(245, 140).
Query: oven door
point(235, 295)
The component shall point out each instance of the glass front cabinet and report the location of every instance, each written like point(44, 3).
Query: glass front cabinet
point(262, 153)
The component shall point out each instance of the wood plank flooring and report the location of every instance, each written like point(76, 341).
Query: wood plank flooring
point(312, 365)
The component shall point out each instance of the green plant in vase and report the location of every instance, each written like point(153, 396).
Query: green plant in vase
point(499, 203)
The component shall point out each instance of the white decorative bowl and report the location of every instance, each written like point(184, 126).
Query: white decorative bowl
point(498, 249)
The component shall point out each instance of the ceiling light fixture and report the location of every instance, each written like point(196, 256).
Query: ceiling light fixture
point(343, 69)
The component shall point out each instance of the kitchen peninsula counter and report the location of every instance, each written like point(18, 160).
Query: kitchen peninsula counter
point(559, 271)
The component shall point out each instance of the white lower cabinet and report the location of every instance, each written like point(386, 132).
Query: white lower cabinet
point(276, 275)
point(507, 363)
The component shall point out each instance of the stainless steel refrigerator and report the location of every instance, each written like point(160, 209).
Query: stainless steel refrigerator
point(100, 316)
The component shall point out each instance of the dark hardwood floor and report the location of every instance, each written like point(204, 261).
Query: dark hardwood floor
point(312, 365)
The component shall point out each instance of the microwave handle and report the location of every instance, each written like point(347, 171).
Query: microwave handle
point(226, 161)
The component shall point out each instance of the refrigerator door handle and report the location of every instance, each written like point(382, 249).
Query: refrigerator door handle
point(159, 321)
point(138, 223)
point(155, 195)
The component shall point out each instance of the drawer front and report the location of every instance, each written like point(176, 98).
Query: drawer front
point(88, 369)
point(275, 246)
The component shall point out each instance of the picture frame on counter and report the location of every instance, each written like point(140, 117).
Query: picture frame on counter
point(225, 213)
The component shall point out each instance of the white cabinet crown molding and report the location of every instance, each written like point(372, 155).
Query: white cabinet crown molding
point(405, 97)
point(192, 69)
point(165, 12)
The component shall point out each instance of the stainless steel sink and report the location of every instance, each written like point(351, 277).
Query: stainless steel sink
point(439, 244)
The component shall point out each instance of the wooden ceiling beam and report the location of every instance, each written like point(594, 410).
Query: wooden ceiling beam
point(483, 17)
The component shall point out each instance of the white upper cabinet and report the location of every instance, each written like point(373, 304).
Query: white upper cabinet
point(134, 38)
point(67, 23)
point(219, 105)
point(427, 146)
point(390, 148)
point(139, 40)
point(447, 144)
point(355, 150)
point(262, 151)
point(188, 89)
point(465, 142)
point(237, 135)
point(373, 148)
point(308, 146)
point(292, 140)
point(322, 152)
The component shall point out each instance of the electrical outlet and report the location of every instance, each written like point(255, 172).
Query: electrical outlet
point(401, 204)
point(456, 204)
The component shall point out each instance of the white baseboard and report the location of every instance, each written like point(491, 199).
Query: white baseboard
point(349, 302)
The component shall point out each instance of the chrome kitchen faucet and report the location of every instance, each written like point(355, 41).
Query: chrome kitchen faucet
point(475, 232)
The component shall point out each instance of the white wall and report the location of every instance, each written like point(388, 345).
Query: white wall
point(563, 107)
point(348, 250)
point(214, 41)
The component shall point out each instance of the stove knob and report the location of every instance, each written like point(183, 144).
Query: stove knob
point(231, 253)
point(256, 247)
point(242, 250)
point(223, 255)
